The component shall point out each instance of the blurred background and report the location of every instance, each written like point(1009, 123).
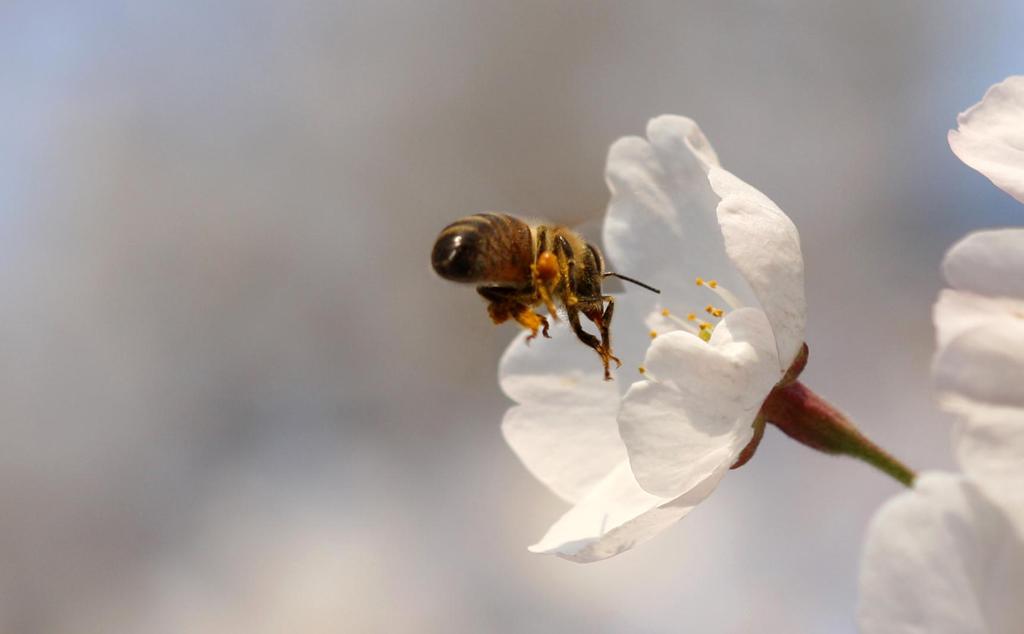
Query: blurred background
point(234, 397)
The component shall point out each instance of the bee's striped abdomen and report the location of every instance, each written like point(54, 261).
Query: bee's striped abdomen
point(485, 248)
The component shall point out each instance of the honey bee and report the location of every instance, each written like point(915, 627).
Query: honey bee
point(519, 265)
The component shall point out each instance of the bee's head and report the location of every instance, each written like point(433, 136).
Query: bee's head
point(456, 255)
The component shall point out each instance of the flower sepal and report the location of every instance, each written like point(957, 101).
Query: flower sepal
point(792, 374)
point(751, 448)
point(810, 420)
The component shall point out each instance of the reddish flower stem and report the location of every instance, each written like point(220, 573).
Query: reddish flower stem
point(809, 419)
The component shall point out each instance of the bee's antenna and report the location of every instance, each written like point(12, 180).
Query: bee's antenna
point(629, 279)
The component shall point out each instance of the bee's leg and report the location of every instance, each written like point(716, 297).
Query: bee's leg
point(602, 318)
point(567, 267)
point(572, 303)
point(574, 320)
point(531, 321)
point(544, 271)
point(504, 303)
point(542, 286)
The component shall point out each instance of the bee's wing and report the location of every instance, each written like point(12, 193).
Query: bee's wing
point(590, 229)
point(589, 226)
point(566, 217)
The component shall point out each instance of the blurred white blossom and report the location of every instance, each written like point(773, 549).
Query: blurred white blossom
point(979, 320)
point(979, 364)
point(942, 559)
point(948, 556)
point(990, 136)
point(634, 461)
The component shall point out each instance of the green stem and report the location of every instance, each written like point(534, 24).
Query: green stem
point(809, 419)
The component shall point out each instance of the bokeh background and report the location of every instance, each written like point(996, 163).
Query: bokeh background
point(234, 398)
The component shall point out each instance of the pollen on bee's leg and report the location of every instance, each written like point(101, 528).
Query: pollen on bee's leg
point(532, 322)
point(545, 277)
point(547, 266)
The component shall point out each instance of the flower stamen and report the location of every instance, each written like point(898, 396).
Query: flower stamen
point(714, 312)
point(727, 296)
point(705, 331)
point(644, 372)
point(688, 327)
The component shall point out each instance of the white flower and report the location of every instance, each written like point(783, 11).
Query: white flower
point(942, 559)
point(979, 321)
point(990, 137)
point(948, 555)
point(979, 364)
point(634, 463)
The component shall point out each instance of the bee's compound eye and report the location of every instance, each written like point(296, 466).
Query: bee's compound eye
point(455, 256)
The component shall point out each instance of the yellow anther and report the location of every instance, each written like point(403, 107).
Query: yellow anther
point(692, 316)
point(718, 312)
point(727, 296)
point(705, 335)
point(709, 308)
point(664, 312)
point(705, 325)
point(653, 334)
point(642, 369)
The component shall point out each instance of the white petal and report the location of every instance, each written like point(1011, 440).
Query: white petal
point(661, 226)
point(988, 262)
point(959, 311)
point(676, 139)
point(570, 449)
point(564, 429)
point(554, 372)
point(617, 516)
point(764, 245)
point(676, 215)
point(985, 364)
point(990, 137)
point(695, 414)
point(988, 441)
point(941, 559)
